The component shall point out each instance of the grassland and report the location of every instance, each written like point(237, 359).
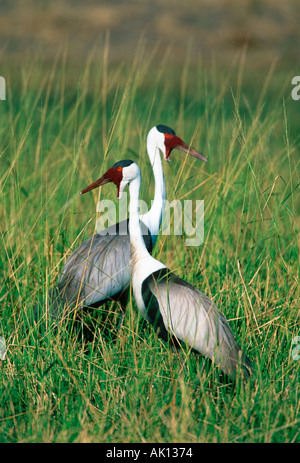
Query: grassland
point(59, 129)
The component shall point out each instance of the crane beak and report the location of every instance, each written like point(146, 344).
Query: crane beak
point(174, 142)
point(101, 181)
point(191, 151)
point(114, 174)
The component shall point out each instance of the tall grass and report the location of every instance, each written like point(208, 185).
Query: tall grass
point(60, 129)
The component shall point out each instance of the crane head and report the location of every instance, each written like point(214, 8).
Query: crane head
point(121, 173)
point(166, 140)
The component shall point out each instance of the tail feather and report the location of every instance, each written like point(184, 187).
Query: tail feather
point(233, 361)
point(229, 354)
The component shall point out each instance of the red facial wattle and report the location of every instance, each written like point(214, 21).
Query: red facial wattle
point(172, 141)
point(114, 174)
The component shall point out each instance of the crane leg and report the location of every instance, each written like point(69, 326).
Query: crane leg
point(123, 300)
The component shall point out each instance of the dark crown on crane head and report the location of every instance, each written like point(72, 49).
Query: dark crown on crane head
point(123, 163)
point(165, 129)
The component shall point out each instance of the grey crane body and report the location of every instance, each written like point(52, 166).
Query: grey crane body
point(98, 271)
point(179, 311)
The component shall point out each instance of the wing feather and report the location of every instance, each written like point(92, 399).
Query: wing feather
point(99, 268)
point(192, 317)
